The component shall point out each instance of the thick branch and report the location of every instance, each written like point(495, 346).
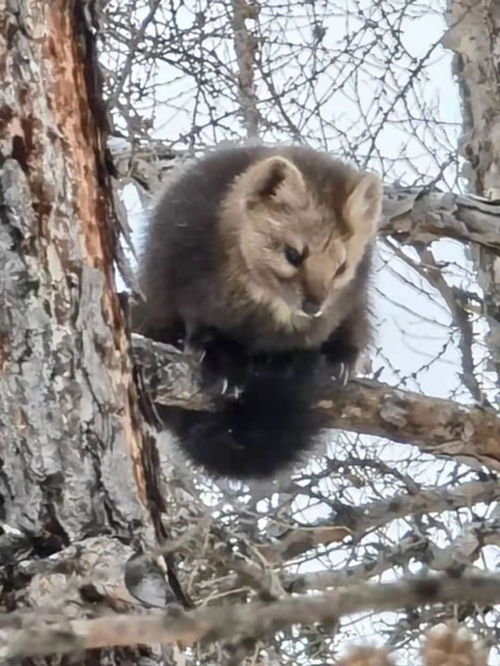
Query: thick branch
point(424, 215)
point(474, 38)
point(245, 45)
point(37, 634)
point(437, 426)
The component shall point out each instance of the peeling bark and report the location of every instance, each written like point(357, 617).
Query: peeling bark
point(79, 474)
point(76, 455)
point(61, 410)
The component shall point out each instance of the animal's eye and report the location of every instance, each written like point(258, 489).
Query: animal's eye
point(293, 256)
point(341, 269)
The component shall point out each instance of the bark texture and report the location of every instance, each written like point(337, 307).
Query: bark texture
point(76, 456)
point(251, 621)
point(474, 36)
point(414, 215)
point(79, 468)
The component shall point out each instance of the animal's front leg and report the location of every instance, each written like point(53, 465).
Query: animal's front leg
point(332, 370)
point(343, 348)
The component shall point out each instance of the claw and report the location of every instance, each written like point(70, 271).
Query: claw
point(342, 375)
point(230, 392)
point(345, 374)
point(195, 352)
point(235, 392)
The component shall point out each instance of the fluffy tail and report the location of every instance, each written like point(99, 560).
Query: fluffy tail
point(258, 434)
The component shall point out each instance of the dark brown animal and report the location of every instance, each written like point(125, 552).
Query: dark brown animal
point(260, 255)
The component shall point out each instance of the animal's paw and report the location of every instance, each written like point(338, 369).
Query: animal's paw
point(340, 373)
point(220, 387)
point(230, 391)
point(366, 656)
point(452, 645)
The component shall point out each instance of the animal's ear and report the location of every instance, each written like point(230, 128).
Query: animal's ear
point(273, 180)
point(364, 205)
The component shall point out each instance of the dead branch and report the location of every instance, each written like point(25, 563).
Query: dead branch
point(420, 215)
point(456, 556)
point(39, 634)
point(354, 522)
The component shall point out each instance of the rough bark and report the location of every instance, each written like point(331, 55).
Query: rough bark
point(413, 215)
point(76, 456)
point(239, 624)
point(79, 474)
point(474, 36)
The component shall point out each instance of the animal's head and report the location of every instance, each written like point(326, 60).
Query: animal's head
point(300, 248)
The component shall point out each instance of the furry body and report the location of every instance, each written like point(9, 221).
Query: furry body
point(261, 256)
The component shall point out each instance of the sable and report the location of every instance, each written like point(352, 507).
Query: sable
point(260, 256)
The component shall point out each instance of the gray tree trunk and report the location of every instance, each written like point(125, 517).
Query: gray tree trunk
point(77, 465)
point(474, 36)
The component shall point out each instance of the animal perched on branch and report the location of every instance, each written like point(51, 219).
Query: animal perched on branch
point(260, 257)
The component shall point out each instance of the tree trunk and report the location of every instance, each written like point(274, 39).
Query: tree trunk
point(78, 466)
point(474, 36)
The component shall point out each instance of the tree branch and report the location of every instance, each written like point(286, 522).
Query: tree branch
point(456, 556)
point(355, 521)
point(424, 215)
point(412, 213)
point(245, 46)
point(435, 425)
point(23, 635)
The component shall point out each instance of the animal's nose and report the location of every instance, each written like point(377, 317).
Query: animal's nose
point(311, 308)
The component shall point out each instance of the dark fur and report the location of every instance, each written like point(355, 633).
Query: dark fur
point(272, 423)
